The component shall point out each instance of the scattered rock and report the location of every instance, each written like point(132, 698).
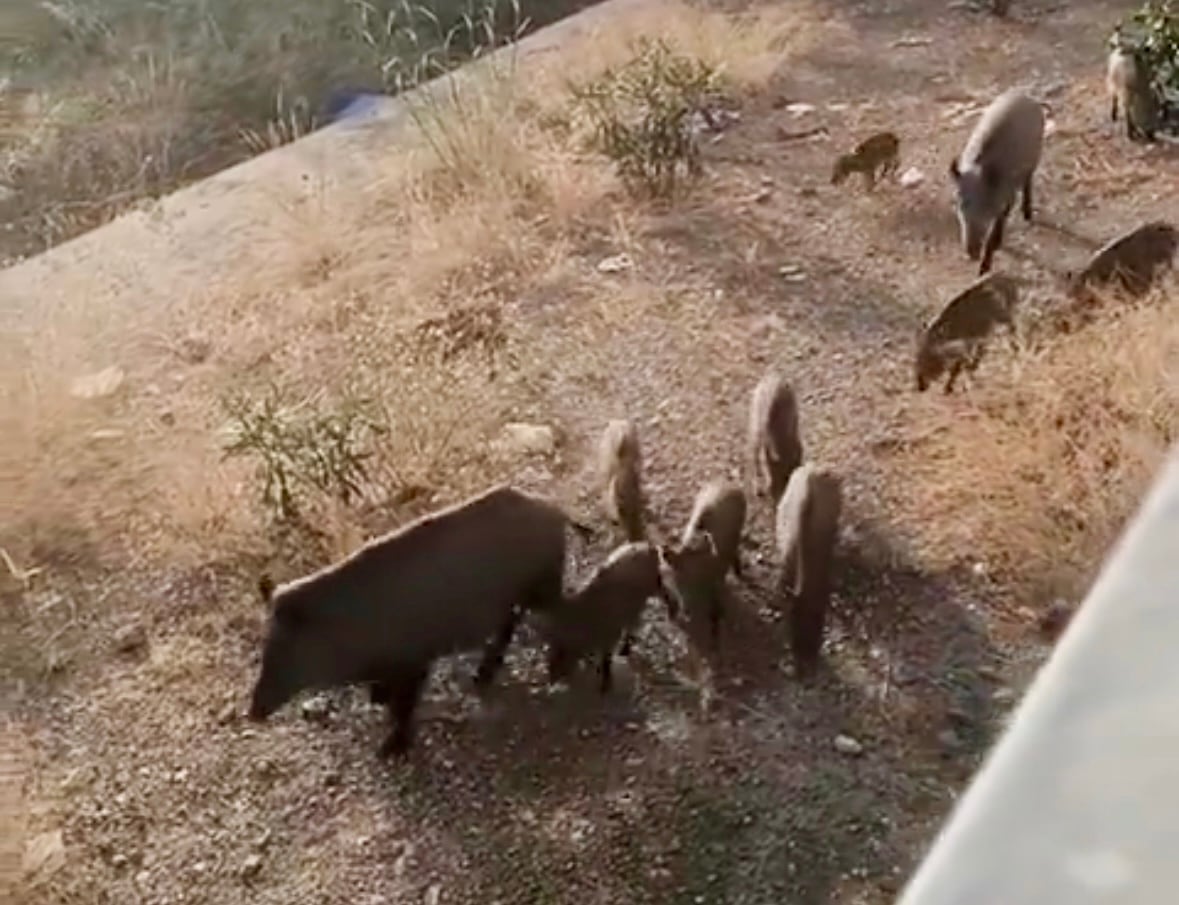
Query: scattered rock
point(227, 714)
point(99, 384)
point(950, 739)
point(763, 195)
point(433, 894)
point(911, 177)
point(130, 638)
point(912, 42)
point(1003, 695)
point(517, 439)
point(792, 273)
point(1049, 127)
point(799, 108)
point(251, 866)
point(845, 744)
point(118, 860)
point(316, 709)
point(44, 856)
point(616, 263)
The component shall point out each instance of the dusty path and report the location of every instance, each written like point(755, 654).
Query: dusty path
point(552, 797)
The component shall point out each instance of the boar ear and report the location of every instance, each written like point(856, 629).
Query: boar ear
point(266, 588)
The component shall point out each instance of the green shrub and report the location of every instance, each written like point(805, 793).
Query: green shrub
point(641, 115)
point(303, 446)
point(1153, 30)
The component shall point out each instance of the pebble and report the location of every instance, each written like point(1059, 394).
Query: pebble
point(1003, 695)
point(845, 744)
point(948, 738)
point(251, 865)
point(130, 638)
point(316, 708)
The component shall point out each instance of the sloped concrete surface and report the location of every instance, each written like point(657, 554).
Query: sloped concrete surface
point(186, 240)
point(1078, 801)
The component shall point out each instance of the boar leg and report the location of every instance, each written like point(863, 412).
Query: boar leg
point(405, 685)
point(605, 669)
point(806, 631)
point(955, 370)
point(714, 619)
point(994, 238)
point(1027, 199)
point(1113, 107)
point(494, 652)
point(379, 692)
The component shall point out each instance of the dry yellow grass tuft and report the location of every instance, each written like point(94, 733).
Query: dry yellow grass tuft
point(1036, 471)
point(482, 204)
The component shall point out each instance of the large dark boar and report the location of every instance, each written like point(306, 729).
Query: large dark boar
point(1131, 262)
point(621, 466)
point(956, 338)
point(451, 581)
point(603, 614)
point(807, 528)
point(998, 161)
point(709, 549)
point(774, 447)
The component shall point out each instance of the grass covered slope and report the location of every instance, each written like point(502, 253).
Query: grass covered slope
point(367, 347)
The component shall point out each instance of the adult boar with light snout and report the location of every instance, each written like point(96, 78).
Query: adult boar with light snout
point(999, 160)
point(621, 467)
point(956, 338)
point(454, 580)
point(1131, 262)
point(709, 548)
point(806, 531)
point(603, 615)
point(774, 447)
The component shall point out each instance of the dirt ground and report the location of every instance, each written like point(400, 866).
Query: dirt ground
point(163, 793)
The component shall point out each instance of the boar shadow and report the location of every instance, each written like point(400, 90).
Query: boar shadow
point(933, 643)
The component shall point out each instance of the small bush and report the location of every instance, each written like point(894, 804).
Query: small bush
point(641, 115)
point(1153, 30)
point(302, 446)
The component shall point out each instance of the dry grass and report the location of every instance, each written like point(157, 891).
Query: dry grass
point(1037, 470)
point(494, 202)
point(106, 104)
point(483, 202)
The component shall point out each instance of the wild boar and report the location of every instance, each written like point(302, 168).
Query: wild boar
point(1000, 159)
point(877, 155)
point(621, 465)
point(956, 338)
point(1129, 84)
point(1130, 262)
point(451, 581)
point(709, 549)
point(606, 610)
point(806, 531)
point(774, 447)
